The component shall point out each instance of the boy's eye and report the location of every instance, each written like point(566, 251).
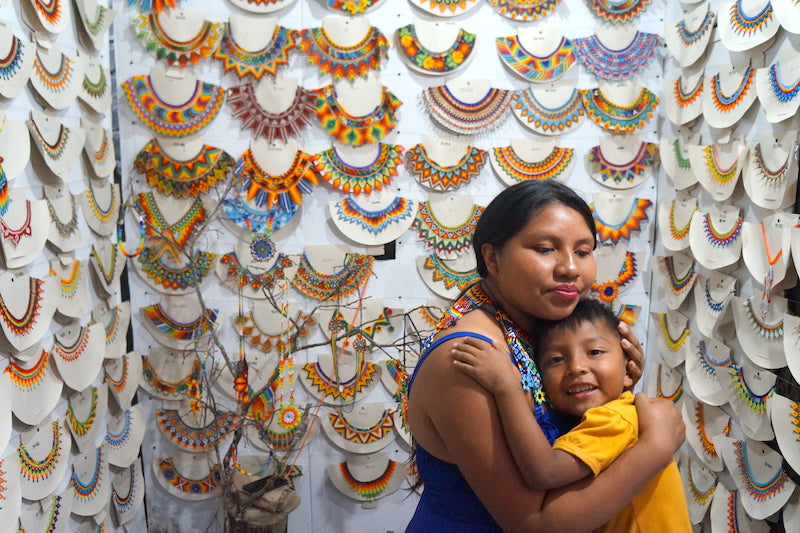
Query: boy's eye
point(596, 352)
point(551, 361)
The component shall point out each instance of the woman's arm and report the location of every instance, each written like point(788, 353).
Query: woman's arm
point(542, 467)
point(633, 351)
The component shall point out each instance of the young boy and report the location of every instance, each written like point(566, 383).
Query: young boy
point(583, 370)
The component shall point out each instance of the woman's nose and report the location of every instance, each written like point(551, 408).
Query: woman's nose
point(566, 265)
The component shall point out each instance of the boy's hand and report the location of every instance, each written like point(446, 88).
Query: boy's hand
point(486, 363)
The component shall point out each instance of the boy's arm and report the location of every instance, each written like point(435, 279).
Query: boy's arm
point(542, 467)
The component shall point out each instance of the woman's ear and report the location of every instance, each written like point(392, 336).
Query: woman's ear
point(627, 381)
point(490, 258)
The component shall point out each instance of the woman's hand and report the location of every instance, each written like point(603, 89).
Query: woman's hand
point(660, 424)
point(633, 351)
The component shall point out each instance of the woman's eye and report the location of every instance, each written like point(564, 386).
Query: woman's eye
point(583, 253)
point(543, 249)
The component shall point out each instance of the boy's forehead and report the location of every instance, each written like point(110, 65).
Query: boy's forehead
point(565, 333)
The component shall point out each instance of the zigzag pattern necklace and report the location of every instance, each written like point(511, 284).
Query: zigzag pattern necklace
point(280, 190)
point(724, 103)
point(708, 363)
point(524, 9)
point(531, 66)
point(721, 240)
point(34, 470)
point(85, 490)
point(256, 63)
point(180, 53)
point(265, 124)
point(191, 330)
point(769, 177)
point(715, 307)
point(177, 388)
point(617, 118)
point(183, 179)
point(445, 239)
point(770, 331)
point(451, 278)
point(171, 237)
point(700, 424)
point(686, 98)
point(444, 178)
point(16, 234)
point(372, 489)
point(256, 220)
point(169, 120)
point(674, 396)
point(760, 491)
point(549, 120)
point(623, 172)
point(744, 25)
point(700, 496)
point(72, 352)
point(336, 389)
point(28, 379)
point(255, 337)
point(189, 487)
point(352, 277)
point(627, 227)
point(618, 11)
point(516, 168)
point(21, 326)
point(11, 63)
point(689, 37)
point(678, 283)
point(56, 81)
point(187, 273)
point(82, 427)
point(195, 438)
point(374, 222)
point(618, 64)
point(359, 435)
point(263, 280)
point(435, 62)
point(608, 291)
point(64, 229)
point(340, 61)
point(348, 178)
point(351, 129)
point(49, 11)
point(756, 402)
point(679, 233)
point(672, 344)
point(783, 92)
point(467, 118)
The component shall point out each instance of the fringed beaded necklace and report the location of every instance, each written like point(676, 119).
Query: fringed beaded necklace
point(348, 178)
point(684, 163)
point(362, 435)
point(690, 37)
point(190, 330)
point(353, 8)
point(28, 379)
point(71, 352)
point(440, 272)
point(373, 488)
point(784, 92)
point(340, 61)
point(673, 396)
point(95, 89)
point(618, 118)
point(701, 496)
point(194, 438)
point(686, 98)
point(177, 388)
point(21, 326)
point(467, 118)
point(679, 233)
point(351, 278)
point(679, 283)
point(255, 220)
point(745, 25)
point(54, 150)
point(351, 129)
point(618, 11)
point(756, 402)
point(672, 343)
point(724, 103)
point(715, 307)
point(281, 190)
point(700, 425)
point(171, 237)
point(551, 167)
point(334, 388)
point(524, 10)
point(11, 63)
point(618, 64)
point(16, 234)
point(82, 427)
point(444, 177)
point(768, 330)
point(767, 176)
point(256, 63)
point(179, 53)
point(627, 227)
point(549, 120)
point(721, 240)
point(117, 438)
point(441, 238)
point(56, 81)
point(708, 363)
point(280, 126)
point(85, 491)
point(39, 470)
point(759, 490)
point(48, 10)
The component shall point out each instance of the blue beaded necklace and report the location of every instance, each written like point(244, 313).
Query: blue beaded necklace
point(744, 25)
point(708, 363)
point(688, 37)
point(374, 222)
point(783, 92)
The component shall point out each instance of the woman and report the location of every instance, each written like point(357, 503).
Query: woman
point(534, 246)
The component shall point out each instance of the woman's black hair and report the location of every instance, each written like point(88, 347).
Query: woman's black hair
point(509, 211)
point(589, 309)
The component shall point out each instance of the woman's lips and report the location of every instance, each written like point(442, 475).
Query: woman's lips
point(566, 291)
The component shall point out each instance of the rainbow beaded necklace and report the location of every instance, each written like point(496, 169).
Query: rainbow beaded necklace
point(445, 239)
point(179, 53)
point(348, 178)
point(256, 63)
point(351, 129)
point(524, 10)
point(444, 178)
point(549, 120)
point(619, 118)
point(618, 64)
point(745, 25)
point(623, 172)
point(531, 66)
point(371, 489)
point(551, 167)
point(340, 61)
point(282, 190)
point(374, 222)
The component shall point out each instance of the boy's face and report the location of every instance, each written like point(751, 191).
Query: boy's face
point(583, 367)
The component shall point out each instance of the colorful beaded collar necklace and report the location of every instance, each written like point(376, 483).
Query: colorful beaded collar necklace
point(700, 496)
point(524, 9)
point(686, 98)
point(444, 178)
point(255, 337)
point(549, 120)
point(257, 281)
point(756, 402)
point(720, 175)
point(16, 234)
point(617, 118)
point(55, 150)
point(444, 6)
point(744, 25)
point(71, 352)
point(271, 126)
point(721, 240)
point(608, 291)
point(95, 89)
point(187, 331)
point(784, 92)
point(513, 166)
point(371, 489)
point(715, 307)
point(624, 230)
point(440, 272)
point(282, 190)
point(186, 486)
point(336, 389)
point(769, 177)
point(256, 220)
point(353, 8)
point(351, 129)
point(156, 5)
point(36, 471)
point(180, 53)
point(11, 63)
point(28, 379)
point(171, 238)
point(435, 62)
point(374, 222)
point(618, 64)
point(173, 120)
point(770, 331)
point(183, 179)
point(348, 178)
point(65, 229)
point(679, 233)
point(618, 11)
point(624, 172)
point(708, 363)
point(760, 491)
point(531, 66)
point(97, 25)
point(48, 11)
point(359, 435)
point(672, 344)
point(726, 104)
point(86, 490)
point(446, 239)
point(340, 61)
point(467, 118)
point(23, 325)
point(256, 63)
point(678, 283)
point(82, 427)
point(177, 388)
point(194, 438)
point(351, 278)
point(675, 395)
point(690, 37)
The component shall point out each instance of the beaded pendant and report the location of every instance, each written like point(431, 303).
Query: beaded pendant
point(554, 120)
point(446, 240)
point(618, 11)
point(273, 191)
point(532, 67)
point(625, 229)
point(618, 64)
point(617, 118)
point(351, 278)
point(194, 438)
point(173, 121)
point(271, 126)
point(524, 9)
point(180, 53)
point(444, 178)
point(784, 92)
point(551, 167)
point(256, 63)
point(438, 63)
point(608, 290)
point(183, 179)
point(623, 172)
point(726, 103)
point(347, 62)
point(355, 130)
point(467, 118)
point(365, 179)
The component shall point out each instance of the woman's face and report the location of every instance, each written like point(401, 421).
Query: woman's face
point(543, 270)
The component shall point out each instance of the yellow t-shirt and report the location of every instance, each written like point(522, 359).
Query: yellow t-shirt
point(605, 432)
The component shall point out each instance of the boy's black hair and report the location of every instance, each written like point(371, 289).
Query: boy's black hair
point(588, 310)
